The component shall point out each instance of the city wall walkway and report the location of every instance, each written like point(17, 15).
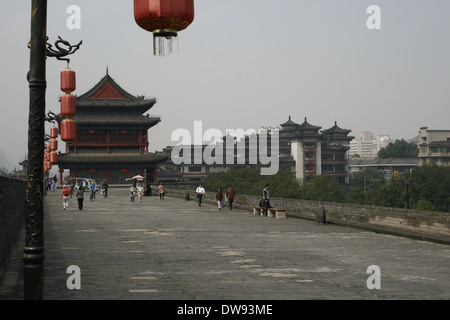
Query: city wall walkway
point(173, 249)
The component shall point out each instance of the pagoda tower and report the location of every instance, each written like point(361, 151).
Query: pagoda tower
point(112, 136)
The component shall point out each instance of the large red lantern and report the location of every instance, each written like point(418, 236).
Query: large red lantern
point(53, 144)
point(68, 81)
point(68, 105)
point(68, 130)
point(53, 157)
point(164, 18)
point(54, 132)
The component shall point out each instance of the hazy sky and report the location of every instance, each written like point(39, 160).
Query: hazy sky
point(247, 64)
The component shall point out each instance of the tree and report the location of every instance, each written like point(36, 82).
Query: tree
point(430, 187)
point(399, 149)
point(249, 181)
point(363, 179)
point(323, 188)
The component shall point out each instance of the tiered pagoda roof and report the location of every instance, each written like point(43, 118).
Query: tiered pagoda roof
point(115, 159)
point(109, 106)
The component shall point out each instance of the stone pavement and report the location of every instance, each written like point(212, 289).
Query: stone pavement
point(173, 249)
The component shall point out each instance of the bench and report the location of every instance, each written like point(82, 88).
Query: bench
point(273, 212)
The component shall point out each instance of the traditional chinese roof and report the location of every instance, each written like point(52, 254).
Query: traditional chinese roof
point(388, 162)
point(121, 121)
point(69, 160)
point(107, 97)
point(305, 126)
point(336, 130)
point(289, 124)
point(337, 133)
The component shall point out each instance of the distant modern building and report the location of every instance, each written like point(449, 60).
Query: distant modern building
point(112, 136)
point(434, 147)
point(368, 146)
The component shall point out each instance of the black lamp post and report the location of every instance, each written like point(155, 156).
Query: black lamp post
point(34, 257)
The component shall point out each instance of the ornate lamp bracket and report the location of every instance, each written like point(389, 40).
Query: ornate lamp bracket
point(63, 49)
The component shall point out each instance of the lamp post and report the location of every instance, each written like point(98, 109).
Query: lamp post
point(33, 257)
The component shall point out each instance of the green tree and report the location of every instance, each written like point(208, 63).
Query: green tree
point(250, 181)
point(387, 195)
point(399, 149)
point(430, 187)
point(323, 188)
point(363, 179)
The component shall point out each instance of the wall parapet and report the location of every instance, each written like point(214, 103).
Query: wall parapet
point(12, 216)
point(418, 224)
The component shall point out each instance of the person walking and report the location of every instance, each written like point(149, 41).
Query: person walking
point(105, 189)
point(140, 192)
point(132, 193)
point(161, 191)
point(200, 192)
point(80, 197)
point(231, 194)
point(266, 199)
point(65, 195)
point(93, 190)
point(219, 198)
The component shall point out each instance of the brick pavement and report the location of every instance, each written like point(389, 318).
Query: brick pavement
point(173, 249)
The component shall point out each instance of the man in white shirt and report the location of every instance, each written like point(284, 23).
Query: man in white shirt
point(200, 192)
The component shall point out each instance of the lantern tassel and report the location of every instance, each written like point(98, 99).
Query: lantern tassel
point(160, 43)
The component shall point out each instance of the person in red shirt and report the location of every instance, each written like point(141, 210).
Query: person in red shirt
point(65, 195)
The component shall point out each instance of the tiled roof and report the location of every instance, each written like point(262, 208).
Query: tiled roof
point(114, 158)
point(115, 120)
point(386, 162)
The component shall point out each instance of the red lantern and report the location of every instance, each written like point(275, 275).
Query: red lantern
point(91, 170)
point(47, 148)
point(53, 157)
point(164, 18)
point(125, 170)
point(54, 132)
point(53, 144)
point(68, 105)
point(68, 130)
point(68, 82)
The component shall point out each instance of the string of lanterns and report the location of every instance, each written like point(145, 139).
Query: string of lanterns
point(68, 127)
